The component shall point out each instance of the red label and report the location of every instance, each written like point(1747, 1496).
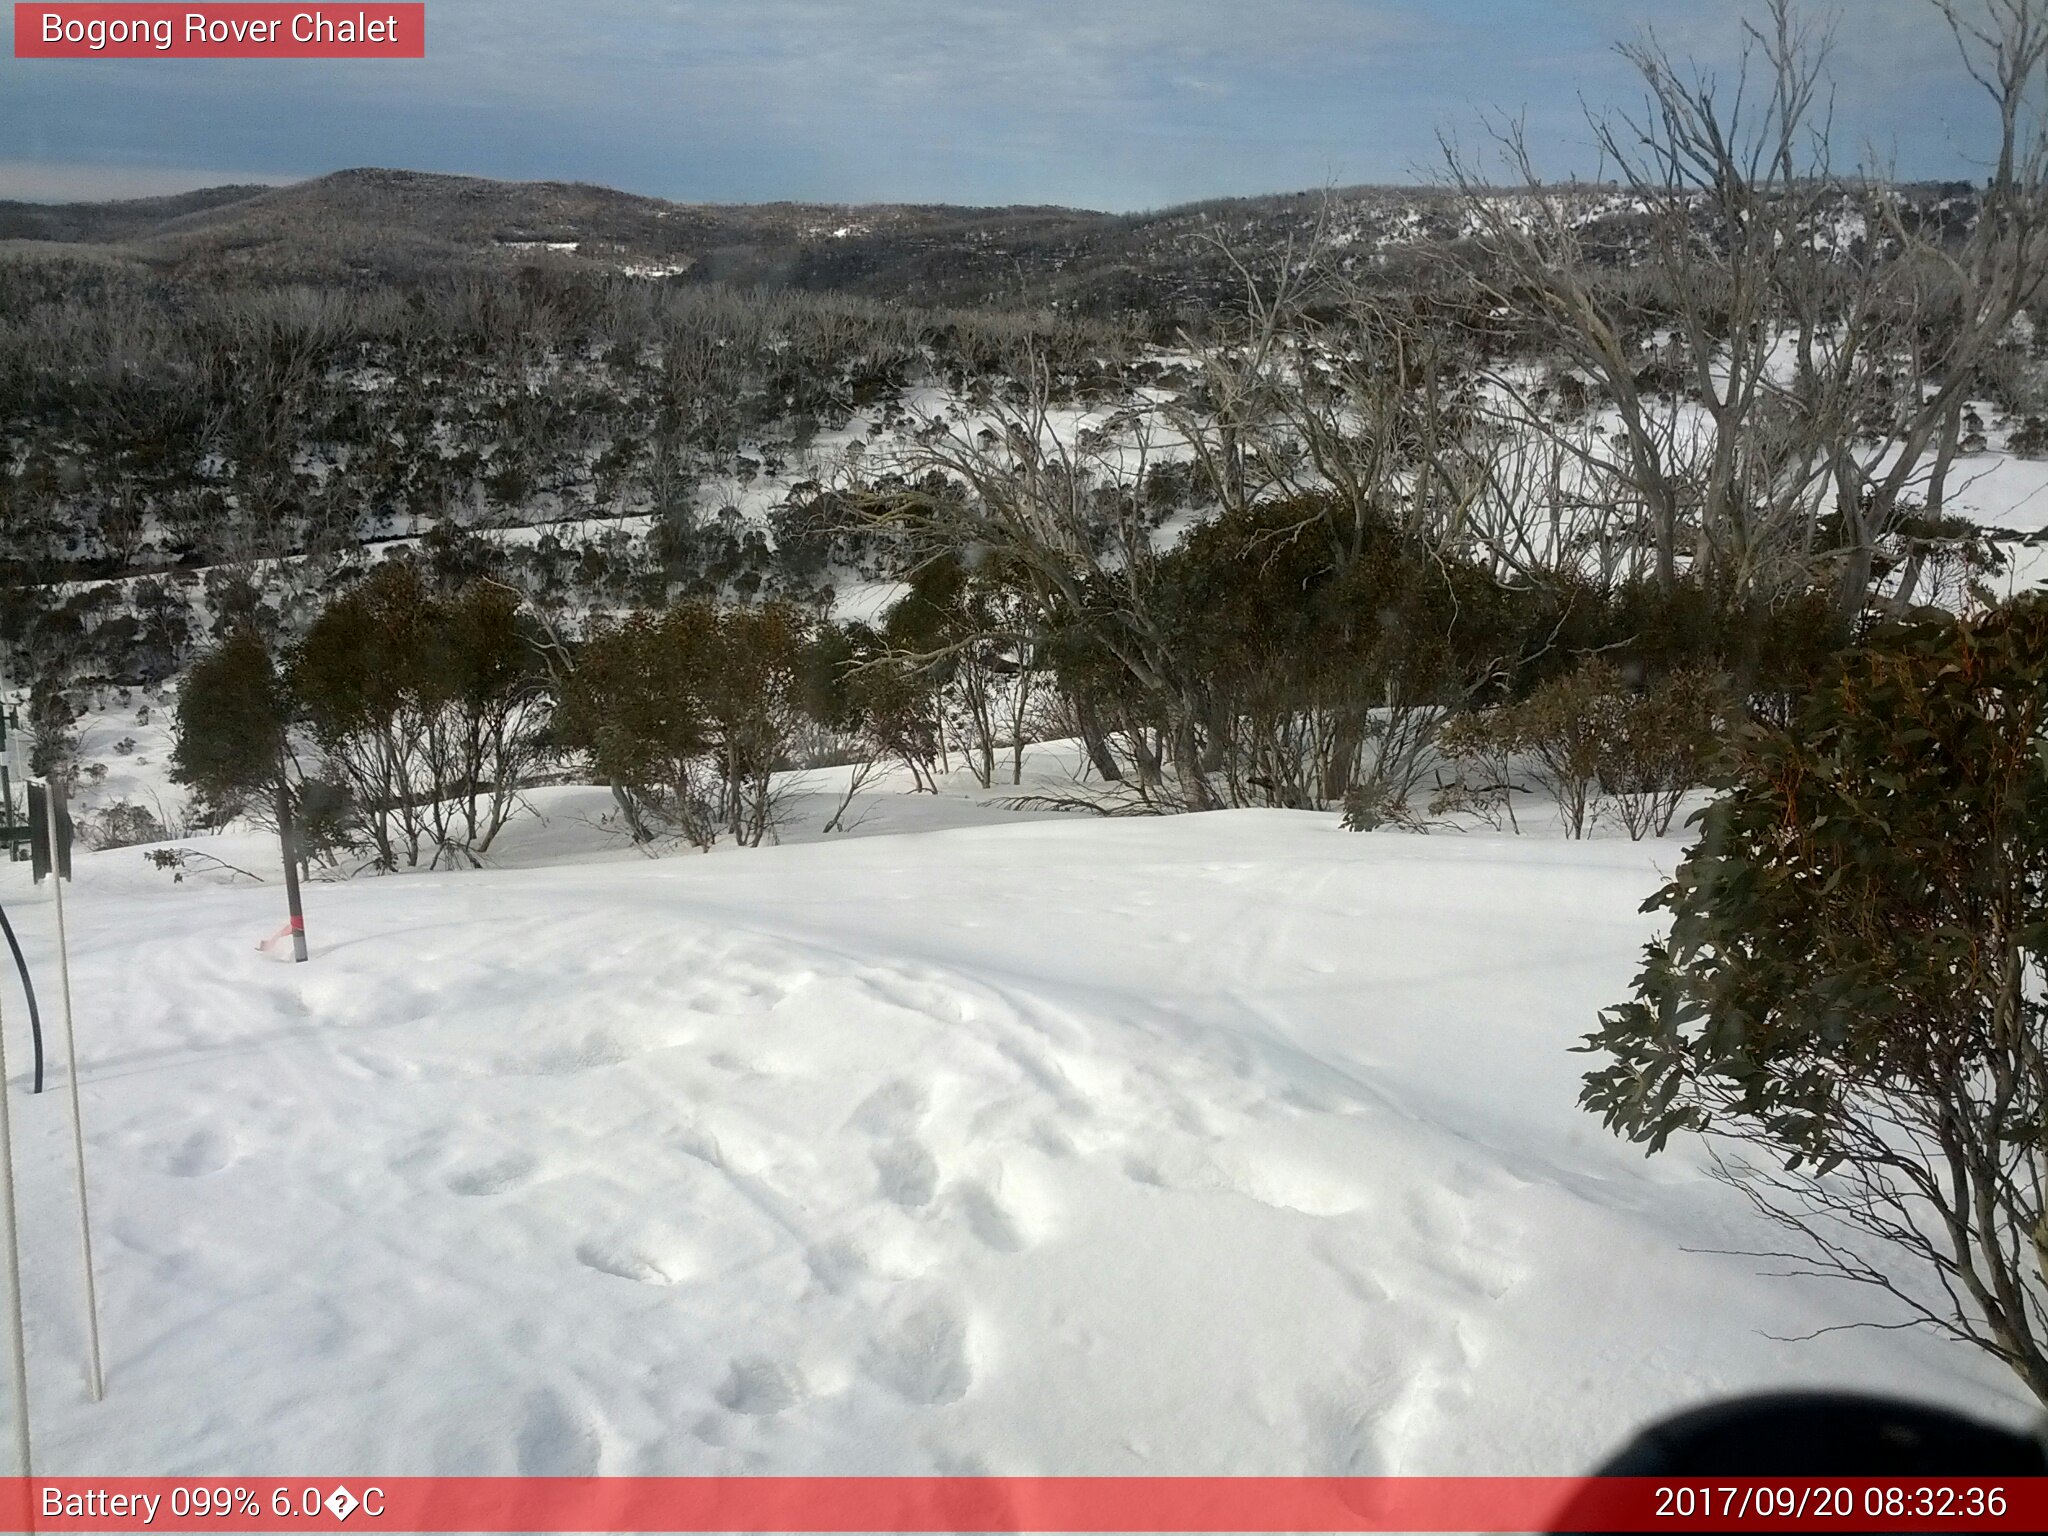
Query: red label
point(216, 31)
point(998, 1504)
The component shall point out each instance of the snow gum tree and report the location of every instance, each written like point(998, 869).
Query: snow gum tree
point(1783, 383)
point(689, 713)
point(1850, 1003)
point(429, 708)
point(238, 749)
point(233, 717)
point(630, 705)
point(755, 699)
point(969, 635)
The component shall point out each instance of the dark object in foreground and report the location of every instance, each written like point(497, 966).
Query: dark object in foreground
point(28, 987)
point(1822, 1434)
point(48, 851)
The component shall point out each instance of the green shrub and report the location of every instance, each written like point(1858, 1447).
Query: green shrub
point(1852, 988)
point(689, 713)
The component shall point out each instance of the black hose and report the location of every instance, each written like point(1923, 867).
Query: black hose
point(35, 1019)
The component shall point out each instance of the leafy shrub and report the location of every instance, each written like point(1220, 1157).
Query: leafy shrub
point(1657, 744)
point(1852, 991)
point(1482, 749)
point(1563, 728)
point(232, 718)
point(2029, 439)
point(1587, 733)
point(122, 825)
point(689, 712)
point(631, 706)
point(1310, 669)
point(428, 709)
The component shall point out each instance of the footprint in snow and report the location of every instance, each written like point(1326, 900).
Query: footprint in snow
point(837, 1264)
point(1055, 1143)
point(909, 1174)
point(894, 1107)
point(626, 1261)
point(924, 1359)
point(201, 1152)
point(988, 1219)
point(556, 1440)
point(378, 1065)
point(492, 1177)
point(1343, 1433)
point(726, 996)
point(927, 999)
point(759, 1386)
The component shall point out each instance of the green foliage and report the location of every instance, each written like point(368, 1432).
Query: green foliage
point(1861, 896)
point(1264, 597)
point(891, 703)
point(1591, 729)
point(164, 414)
point(753, 694)
point(689, 713)
point(429, 710)
point(1317, 651)
point(52, 724)
point(1563, 726)
point(232, 718)
point(1774, 651)
point(1657, 743)
point(1853, 978)
point(960, 647)
point(363, 660)
point(631, 706)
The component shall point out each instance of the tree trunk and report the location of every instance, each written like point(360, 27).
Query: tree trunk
point(1097, 744)
point(1340, 773)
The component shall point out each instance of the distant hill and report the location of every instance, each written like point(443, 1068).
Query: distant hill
point(382, 224)
point(384, 219)
point(373, 226)
point(115, 221)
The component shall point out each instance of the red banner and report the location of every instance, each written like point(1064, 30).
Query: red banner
point(218, 31)
point(1051, 1504)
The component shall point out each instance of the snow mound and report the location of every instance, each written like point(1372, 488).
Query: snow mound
point(1221, 1144)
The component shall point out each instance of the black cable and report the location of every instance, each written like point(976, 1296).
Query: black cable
point(35, 1019)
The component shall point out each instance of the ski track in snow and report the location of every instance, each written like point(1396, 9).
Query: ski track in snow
point(1223, 1144)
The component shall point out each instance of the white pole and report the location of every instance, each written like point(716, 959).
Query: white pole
point(10, 1238)
point(92, 1300)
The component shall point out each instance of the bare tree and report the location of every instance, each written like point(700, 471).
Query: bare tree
point(1059, 503)
point(1783, 404)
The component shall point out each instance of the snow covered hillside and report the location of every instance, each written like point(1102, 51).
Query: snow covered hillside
point(1227, 1143)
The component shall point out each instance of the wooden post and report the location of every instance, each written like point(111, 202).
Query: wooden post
point(288, 845)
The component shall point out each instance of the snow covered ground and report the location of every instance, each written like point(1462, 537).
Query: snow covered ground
point(1220, 1144)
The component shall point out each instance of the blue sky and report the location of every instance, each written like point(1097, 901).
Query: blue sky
point(1118, 104)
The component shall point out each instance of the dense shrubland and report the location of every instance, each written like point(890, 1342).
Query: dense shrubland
point(689, 713)
point(149, 424)
point(1690, 434)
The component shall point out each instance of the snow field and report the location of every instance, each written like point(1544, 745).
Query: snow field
point(1218, 1144)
